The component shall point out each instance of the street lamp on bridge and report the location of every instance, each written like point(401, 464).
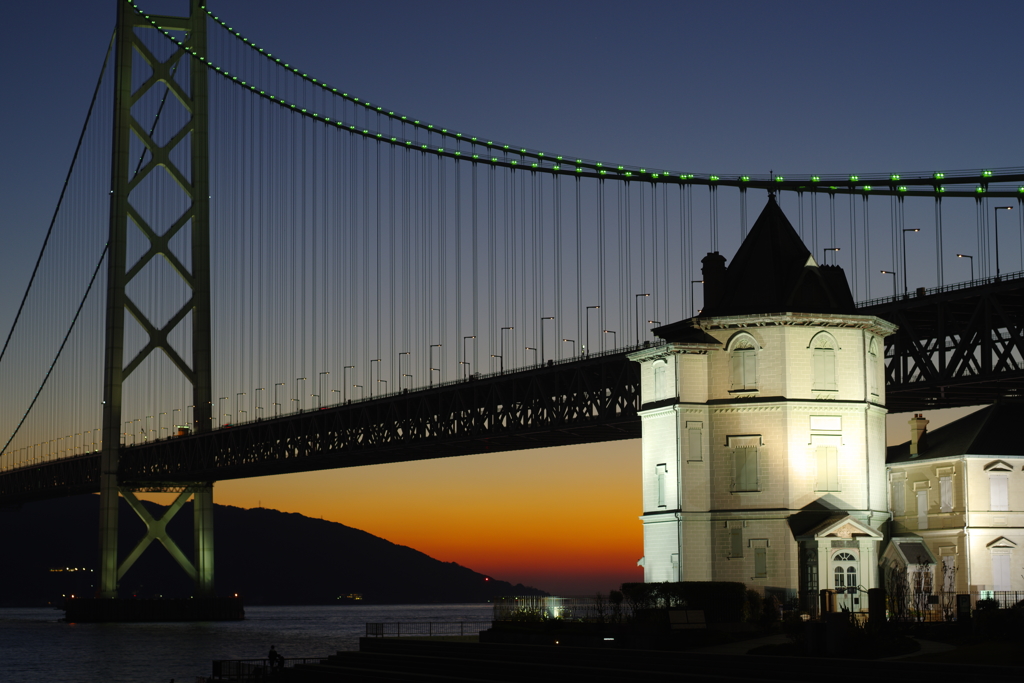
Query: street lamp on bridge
point(573, 342)
point(464, 339)
point(430, 360)
point(530, 348)
point(400, 380)
point(893, 273)
point(400, 375)
point(549, 317)
point(344, 382)
point(905, 231)
point(636, 315)
point(693, 308)
point(360, 386)
point(997, 209)
point(824, 258)
point(238, 402)
point(967, 256)
point(501, 362)
point(298, 396)
point(256, 399)
point(277, 404)
point(586, 348)
point(322, 392)
point(370, 376)
point(501, 335)
point(611, 332)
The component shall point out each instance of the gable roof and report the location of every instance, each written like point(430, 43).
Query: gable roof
point(773, 272)
point(989, 431)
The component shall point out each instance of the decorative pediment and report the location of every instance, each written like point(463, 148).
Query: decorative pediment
point(844, 527)
point(1001, 542)
point(998, 466)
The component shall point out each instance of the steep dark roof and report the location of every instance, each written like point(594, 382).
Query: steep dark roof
point(989, 431)
point(773, 272)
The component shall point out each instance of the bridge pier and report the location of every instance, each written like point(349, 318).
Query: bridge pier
point(193, 179)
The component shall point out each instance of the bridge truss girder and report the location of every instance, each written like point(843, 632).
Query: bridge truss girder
point(587, 401)
point(591, 400)
point(955, 348)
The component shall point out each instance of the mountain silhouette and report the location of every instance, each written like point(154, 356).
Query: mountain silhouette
point(266, 556)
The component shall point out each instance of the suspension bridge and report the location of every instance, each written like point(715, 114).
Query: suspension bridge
point(250, 272)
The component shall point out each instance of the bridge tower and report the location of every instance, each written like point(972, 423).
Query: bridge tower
point(132, 51)
point(764, 428)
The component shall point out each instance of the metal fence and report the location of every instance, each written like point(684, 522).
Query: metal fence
point(395, 629)
point(943, 606)
point(541, 608)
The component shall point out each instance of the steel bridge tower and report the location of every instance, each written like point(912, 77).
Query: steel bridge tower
point(130, 48)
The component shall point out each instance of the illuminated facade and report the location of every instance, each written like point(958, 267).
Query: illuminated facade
point(764, 428)
point(958, 493)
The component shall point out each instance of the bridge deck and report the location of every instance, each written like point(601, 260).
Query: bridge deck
point(584, 401)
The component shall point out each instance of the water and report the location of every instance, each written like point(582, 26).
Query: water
point(36, 646)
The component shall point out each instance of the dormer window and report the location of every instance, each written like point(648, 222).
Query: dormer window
point(744, 364)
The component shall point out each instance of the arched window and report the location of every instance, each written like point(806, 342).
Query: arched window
point(851, 576)
point(840, 578)
point(824, 356)
point(662, 389)
point(744, 364)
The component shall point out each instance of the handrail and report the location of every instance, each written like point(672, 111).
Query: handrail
point(921, 291)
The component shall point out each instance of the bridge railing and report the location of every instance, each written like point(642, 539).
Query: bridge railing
point(921, 291)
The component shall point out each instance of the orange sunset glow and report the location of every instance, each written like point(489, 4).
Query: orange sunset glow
point(564, 520)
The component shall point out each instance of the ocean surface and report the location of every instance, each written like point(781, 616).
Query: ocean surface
point(36, 646)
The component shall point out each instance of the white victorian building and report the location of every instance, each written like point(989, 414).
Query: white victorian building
point(764, 428)
point(957, 500)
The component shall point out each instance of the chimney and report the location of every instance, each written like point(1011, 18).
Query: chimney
point(918, 427)
point(713, 272)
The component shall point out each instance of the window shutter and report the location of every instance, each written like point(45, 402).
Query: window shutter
point(999, 492)
point(746, 468)
point(832, 459)
point(760, 563)
point(946, 494)
point(736, 542)
point(822, 457)
point(830, 369)
point(899, 497)
point(828, 468)
point(1000, 572)
point(819, 369)
point(696, 445)
point(922, 509)
point(737, 370)
point(749, 369)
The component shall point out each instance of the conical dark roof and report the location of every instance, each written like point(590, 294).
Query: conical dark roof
point(774, 272)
